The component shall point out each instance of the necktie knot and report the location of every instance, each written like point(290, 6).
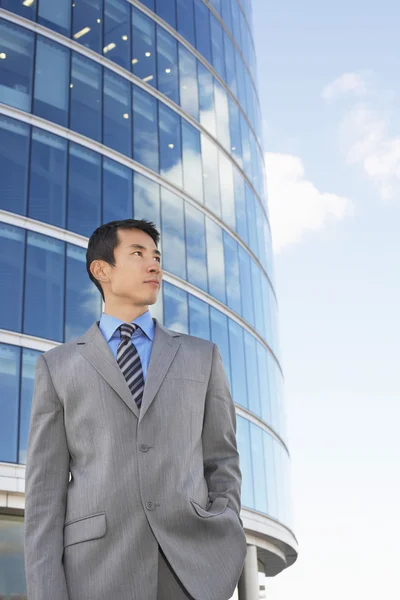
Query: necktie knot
point(127, 330)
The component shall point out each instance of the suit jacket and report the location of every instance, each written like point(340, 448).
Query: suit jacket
point(106, 483)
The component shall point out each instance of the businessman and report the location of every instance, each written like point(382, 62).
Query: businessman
point(132, 479)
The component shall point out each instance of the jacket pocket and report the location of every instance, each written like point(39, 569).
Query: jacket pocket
point(87, 528)
point(217, 507)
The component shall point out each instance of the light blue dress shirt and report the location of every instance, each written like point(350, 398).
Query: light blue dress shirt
point(142, 338)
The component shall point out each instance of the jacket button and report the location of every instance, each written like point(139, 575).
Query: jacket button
point(150, 505)
point(144, 447)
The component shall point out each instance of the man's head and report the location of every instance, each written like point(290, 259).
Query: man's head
point(122, 257)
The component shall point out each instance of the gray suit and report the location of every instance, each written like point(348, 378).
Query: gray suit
point(168, 475)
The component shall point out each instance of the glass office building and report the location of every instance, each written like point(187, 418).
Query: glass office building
point(113, 109)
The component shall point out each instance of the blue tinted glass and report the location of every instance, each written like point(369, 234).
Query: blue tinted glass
point(199, 318)
point(175, 308)
point(117, 34)
point(173, 242)
point(235, 133)
point(246, 148)
point(232, 273)
point(82, 298)
point(244, 34)
point(166, 10)
point(215, 260)
point(258, 300)
point(192, 171)
point(188, 87)
point(245, 284)
point(16, 70)
point(143, 47)
point(262, 228)
point(148, 3)
point(226, 13)
point(240, 206)
point(185, 17)
point(217, 5)
point(217, 46)
point(9, 397)
point(84, 190)
point(117, 115)
point(251, 211)
point(241, 81)
point(222, 112)
point(227, 190)
point(253, 391)
point(51, 93)
point(12, 245)
point(196, 247)
point(86, 95)
point(272, 367)
point(238, 364)
point(266, 309)
point(47, 189)
point(23, 8)
point(220, 336)
point(167, 64)
point(243, 443)
point(230, 64)
point(55, 15)
point(259, 477)
point(146, 199)
point(29, 358)
point(145, 126)
point(87, 26)
point(209, 154)
point(14, 153)
point(269, 460)
point(262, 363)
point(170, 145)
point(206, 99)
point(44, 287)
point(236, 22)
point(202, 25)
point(117, 191)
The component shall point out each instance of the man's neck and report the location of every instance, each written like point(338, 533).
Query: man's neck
point(125, 313)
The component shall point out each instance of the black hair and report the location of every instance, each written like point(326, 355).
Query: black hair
point(104, 240)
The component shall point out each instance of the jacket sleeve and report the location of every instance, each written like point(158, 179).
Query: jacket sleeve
point(220, 454)
point(46, 481)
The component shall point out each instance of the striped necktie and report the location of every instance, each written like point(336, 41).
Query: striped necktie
point(129, 362)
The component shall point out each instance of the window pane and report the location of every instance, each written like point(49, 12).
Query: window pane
point(55, 15)
point(245, 284)
point(202, 24)
point(84, 190)
point(143, 47)
point(9, 384)
point(173, 242)
point(222, 111)
point(167, 61)
point(44, 287)
point(48, 178)
point(266, 309)
point(253, 391)
point(251, 211)
point(86, 97)
point(175, 308)
point(21, 8)
point(240, 204)
point(87, 27)
point(14, 153)
point(218, 58)
point(146, 203)
point(16, 69)
point(189, 92)
point(29, 358)
point(117, 43)
point(230, 64)
point(196, 247)
point(262, 363)
point(246, 151)
point(82, 298)
point(269, 444)
point(185, 17)
point(206, 99)
point(117, 124)
point(167, 11)
point(227, 190)
point(117, 191)
point(215, 261)
point(235, 133)
point(192, 171)
point(238, 363)
point(170, 145)
point(232, 273)
point(12, 250)
point(220, 336)
point(209, 154)
point(259, 477)
point(149, 3)
point(51, 81)
point(243, 442)
point(236, 22)
point(226, 13)
point(199, 318)
point(145, 129)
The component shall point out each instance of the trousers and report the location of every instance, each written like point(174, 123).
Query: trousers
point(169, 586)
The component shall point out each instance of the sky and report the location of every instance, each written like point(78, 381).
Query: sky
point(329, 92)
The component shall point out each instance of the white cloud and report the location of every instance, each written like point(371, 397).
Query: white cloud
point(348, 82)
point(296, 206)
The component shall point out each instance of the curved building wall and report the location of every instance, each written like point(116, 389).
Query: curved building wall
point(111, 109)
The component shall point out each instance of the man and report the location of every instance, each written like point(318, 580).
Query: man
point(132, 478)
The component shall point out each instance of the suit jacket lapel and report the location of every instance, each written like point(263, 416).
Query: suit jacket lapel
point(96, 350)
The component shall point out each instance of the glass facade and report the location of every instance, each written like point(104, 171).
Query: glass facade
point(111, 109)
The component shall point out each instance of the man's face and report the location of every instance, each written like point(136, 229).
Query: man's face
point(137, 261)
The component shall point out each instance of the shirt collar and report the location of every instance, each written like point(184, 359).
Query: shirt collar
point(109, 325)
